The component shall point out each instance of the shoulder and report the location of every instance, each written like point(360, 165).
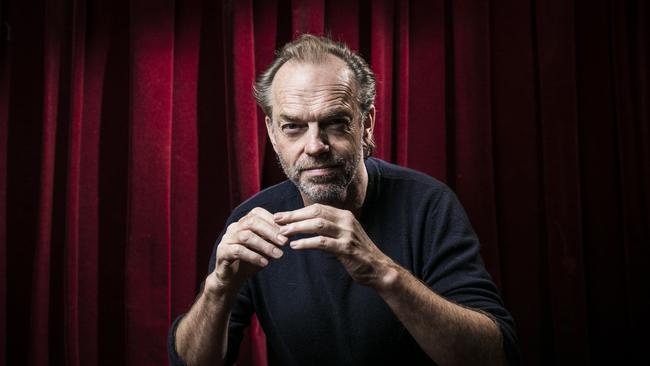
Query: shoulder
point(409, 192)
point(395, 179)
point(389, 171)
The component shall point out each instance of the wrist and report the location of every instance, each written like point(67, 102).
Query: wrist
point(216, 290)
point(389, 277)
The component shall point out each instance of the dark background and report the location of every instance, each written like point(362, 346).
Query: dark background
point(128, 132)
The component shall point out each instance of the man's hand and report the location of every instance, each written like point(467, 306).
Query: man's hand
point(337, 232)
point(246, 247)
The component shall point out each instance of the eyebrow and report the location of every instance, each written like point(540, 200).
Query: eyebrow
point(329, 115)
point(288, 118)
point(336, 113)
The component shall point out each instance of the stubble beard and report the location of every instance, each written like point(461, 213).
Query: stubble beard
point(325, 189)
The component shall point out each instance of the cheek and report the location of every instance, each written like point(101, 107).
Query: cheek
point(290, 152)
point(348, 144)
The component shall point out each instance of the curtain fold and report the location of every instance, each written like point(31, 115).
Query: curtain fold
point(72, 198)
point(402, 116)
point(632, 150)
point(560, 166)
point(472, 134)
point(53, 34)
point(517, 173)
point(148, 244)
point(4, 117)
point(431, 110)
point(128, 132)
point(242, 120)
point(184, 154)
point(92, 28)
point(383, 41)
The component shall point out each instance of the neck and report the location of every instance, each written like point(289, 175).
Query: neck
point(355, 195)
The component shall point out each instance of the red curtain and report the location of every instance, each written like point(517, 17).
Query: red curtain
point(128, 132)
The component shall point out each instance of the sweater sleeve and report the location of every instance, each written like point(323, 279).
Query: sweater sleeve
point(240, 319)
point(454, 268)
point(240, 316)
point(174, 358)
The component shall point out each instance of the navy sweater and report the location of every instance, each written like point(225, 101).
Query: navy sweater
point(314, 314)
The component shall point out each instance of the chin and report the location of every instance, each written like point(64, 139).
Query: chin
point(323, 193)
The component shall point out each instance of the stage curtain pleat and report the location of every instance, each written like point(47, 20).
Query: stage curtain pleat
point(148, 242)
point(561, 178)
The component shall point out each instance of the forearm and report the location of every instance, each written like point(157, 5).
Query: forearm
point(202, 334)
point(450, 334)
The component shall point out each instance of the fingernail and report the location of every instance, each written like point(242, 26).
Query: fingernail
point(277, 253)
point(282, 238)
point(284, 229)
point(293, 244)
point(278, 216)
point(264, 262)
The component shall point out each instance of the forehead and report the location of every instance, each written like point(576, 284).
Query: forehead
point(305, 89)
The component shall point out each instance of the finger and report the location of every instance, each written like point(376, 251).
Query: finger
point(235, 252)
point(320, 242)
point(311, 226)
point(264, 214)
point(309, 212)
point(262, 228)
point(254, 242)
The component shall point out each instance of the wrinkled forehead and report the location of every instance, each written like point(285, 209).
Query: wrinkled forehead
point(306, 89)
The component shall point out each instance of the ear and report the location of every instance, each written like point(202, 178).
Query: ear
point(369, 123)
point(269, 130)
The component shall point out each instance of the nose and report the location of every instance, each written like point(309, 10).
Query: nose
point(317, 143)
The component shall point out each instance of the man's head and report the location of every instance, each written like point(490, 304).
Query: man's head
point(318, 98)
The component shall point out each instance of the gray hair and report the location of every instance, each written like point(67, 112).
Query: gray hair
point(310, 48)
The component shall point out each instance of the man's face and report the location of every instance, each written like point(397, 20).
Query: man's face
point(316, 127)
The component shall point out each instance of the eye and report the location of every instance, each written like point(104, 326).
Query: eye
point(339, 124)
point(290, 128)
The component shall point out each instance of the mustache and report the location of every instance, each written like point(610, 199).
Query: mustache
point(320, 162)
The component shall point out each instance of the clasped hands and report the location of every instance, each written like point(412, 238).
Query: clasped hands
point(249, 244)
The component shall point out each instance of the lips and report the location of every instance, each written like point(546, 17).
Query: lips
point(322, 167)
point(320, 170)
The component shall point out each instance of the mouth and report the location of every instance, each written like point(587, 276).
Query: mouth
point(321, 170)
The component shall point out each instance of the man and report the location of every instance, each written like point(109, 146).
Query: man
point(352, 261)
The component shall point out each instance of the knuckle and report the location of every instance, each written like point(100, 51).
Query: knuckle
point(269, 249)
point(244, 236)
point(351, 250)
point(347, 248)
point(320, 223)
point(322, 242)
point(259, 211)
point(236, 251)
point(220, 250)
point(232, 227)
point(250, 222)
point(316, 210)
